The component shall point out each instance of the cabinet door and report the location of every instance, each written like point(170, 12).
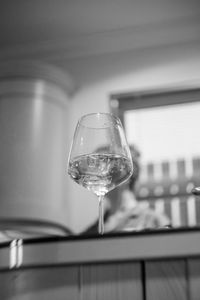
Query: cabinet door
point(194, 278)
point(166, 280)
point(118, 281)
point(60, 283)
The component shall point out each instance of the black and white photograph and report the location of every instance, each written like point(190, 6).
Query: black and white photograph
point(100, 149)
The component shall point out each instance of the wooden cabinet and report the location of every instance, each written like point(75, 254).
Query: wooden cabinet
point(83, 269)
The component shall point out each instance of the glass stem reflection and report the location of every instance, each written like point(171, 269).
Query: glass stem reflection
point(101, 215)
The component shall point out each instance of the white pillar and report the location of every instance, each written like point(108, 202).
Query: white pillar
point(33, 110)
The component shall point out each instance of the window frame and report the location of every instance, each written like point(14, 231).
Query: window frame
point(133, 100)
point(121, 102)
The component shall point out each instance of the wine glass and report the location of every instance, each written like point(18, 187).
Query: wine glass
point(99, 158)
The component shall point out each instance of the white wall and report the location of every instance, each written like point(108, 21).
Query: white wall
point(99, 76)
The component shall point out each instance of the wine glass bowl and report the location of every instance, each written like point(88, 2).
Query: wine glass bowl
point(99, 158)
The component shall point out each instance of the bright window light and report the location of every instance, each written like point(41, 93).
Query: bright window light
point(166, 132)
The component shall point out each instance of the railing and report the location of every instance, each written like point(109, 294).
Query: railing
point(166, 186)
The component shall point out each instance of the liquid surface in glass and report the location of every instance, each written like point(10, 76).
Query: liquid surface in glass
point(100, 172)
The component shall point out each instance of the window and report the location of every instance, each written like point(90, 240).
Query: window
point(164, 125)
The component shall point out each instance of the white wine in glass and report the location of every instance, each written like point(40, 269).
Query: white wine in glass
point(99, 158)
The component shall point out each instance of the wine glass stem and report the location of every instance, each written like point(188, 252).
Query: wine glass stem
point(101, 215)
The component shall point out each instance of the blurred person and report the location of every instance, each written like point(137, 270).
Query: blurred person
point(123, 212)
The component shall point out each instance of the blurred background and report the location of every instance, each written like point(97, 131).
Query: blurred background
point(86, 51)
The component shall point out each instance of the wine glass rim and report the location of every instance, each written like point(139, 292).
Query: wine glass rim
point(110, 115)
